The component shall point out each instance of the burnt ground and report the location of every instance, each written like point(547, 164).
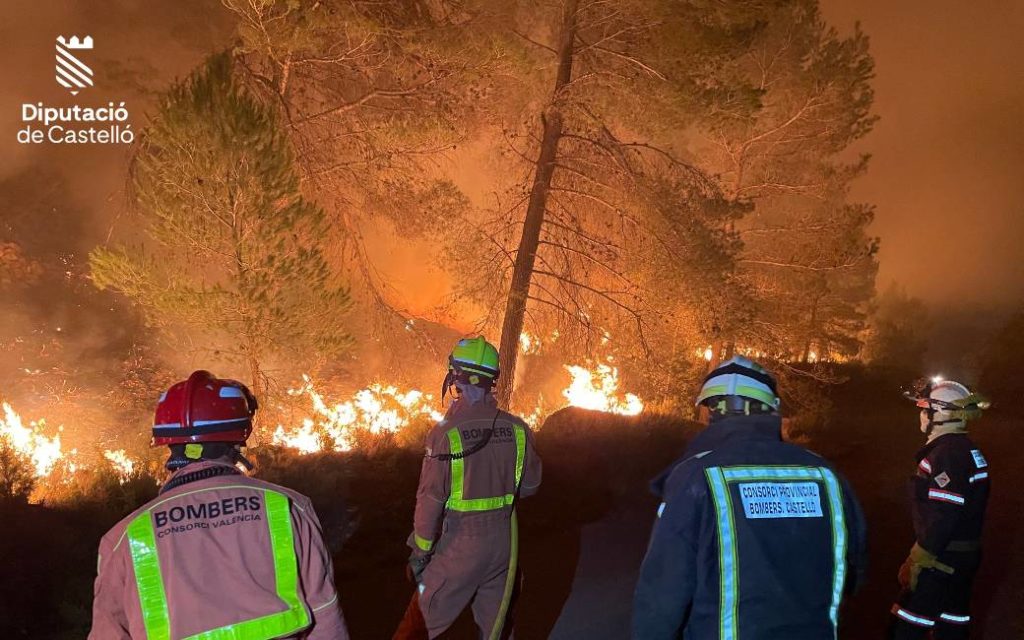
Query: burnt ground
point(583, 536)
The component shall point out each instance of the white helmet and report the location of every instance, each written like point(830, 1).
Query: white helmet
point(947, 401)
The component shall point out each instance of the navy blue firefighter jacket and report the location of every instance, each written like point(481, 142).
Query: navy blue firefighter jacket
point(756, 539)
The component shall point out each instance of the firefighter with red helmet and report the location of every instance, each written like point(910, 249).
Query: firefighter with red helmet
point(217, 554)
point(479, 461)
point(949, 492)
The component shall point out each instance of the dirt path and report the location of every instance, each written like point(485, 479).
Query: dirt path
point(610, 555)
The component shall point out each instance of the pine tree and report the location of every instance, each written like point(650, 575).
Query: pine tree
point(806, 269)
point(598, 199)
point(232, 249)
point(372, 95)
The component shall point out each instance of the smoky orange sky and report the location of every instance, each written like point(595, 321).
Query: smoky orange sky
point(948, 152)
point(947, 173)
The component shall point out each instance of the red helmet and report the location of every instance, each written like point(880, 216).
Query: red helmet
point(204, 409)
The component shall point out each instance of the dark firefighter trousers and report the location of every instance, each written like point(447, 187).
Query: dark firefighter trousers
point(940, 605)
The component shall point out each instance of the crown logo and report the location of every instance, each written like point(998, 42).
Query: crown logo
point(74, 43)
point(73, 74)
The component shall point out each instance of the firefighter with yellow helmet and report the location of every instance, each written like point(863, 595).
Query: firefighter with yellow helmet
point(949, 493)
point(479, 461)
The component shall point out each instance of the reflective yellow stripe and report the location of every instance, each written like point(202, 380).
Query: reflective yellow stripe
point(455, 499)
point(455, 444)
point(719, 480)
point(153, 599)
point(148, 579)
point(520, 453)
point(510, 578)
point(728, 567)
point(423, 543)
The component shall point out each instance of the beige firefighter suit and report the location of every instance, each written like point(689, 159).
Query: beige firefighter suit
point(226, 557)
point(465, 514)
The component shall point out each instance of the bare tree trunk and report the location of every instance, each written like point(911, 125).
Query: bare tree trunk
point(522, 273)
point(805, 355)
point(252, 347)
point(259, 386)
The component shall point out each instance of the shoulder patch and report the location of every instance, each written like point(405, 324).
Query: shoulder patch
point(942, 479)
point(979, 460)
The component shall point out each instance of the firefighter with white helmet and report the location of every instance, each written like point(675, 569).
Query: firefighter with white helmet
point(949, 492)
point(755, 537)
point(217, 554)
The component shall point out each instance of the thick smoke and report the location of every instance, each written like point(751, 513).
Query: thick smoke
point(60, 338)
point(948, 151)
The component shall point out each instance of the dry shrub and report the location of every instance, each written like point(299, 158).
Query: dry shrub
point(17, 480)
point(806, 402)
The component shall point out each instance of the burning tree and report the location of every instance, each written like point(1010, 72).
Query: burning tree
point(605, 195)
point(656, 155)
point(232, 250)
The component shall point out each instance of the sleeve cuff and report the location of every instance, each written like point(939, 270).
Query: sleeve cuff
point(422, 543)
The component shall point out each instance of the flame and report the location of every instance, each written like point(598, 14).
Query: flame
point(304, 439)
point(44, 452)
point(529, 343)
point(536, 417)
point(598, 389)
point(376, 409)
point(122, 464)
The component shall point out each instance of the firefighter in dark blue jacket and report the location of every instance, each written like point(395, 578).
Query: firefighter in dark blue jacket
point(949, 492)
point(756, 538)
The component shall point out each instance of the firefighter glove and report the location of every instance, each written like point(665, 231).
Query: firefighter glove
point(918, 560)
point(418, 562)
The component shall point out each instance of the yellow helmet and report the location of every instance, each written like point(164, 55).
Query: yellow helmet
point(476, 358)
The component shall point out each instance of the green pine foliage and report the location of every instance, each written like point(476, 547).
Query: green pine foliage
point(800, 95)
point(231, 248)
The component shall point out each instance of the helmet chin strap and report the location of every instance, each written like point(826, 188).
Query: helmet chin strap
point(241, 459)
point(470, 393)
point(446, 386)
point(928, 428)
point(211, 451)
point(932, 423)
